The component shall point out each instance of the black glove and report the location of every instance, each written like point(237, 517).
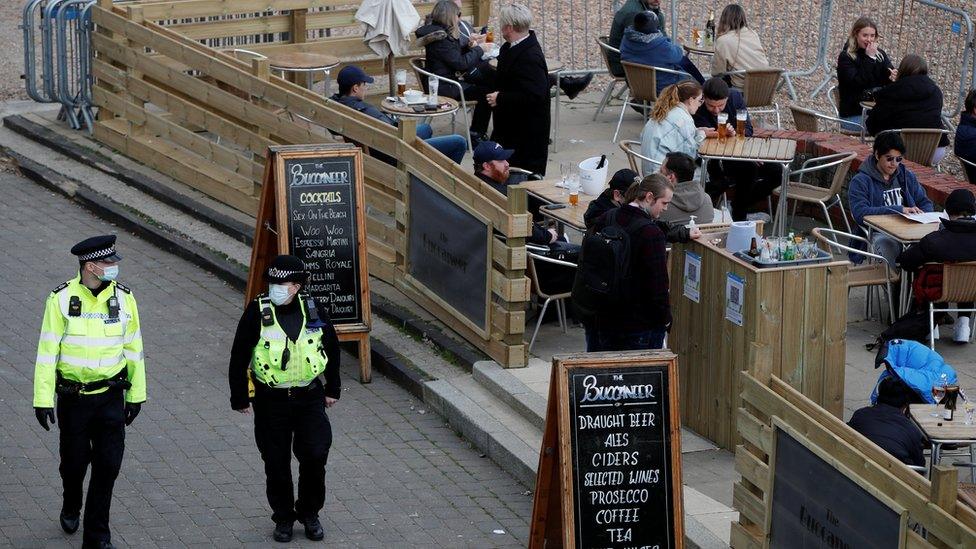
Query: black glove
point(131, 411)
point(43, 416)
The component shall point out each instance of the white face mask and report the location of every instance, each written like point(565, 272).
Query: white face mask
point(279, 293)
point(109, 273)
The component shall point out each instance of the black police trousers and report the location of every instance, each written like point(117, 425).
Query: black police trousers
point(92, 431)
point(285, 419)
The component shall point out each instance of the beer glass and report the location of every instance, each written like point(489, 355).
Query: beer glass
point(432, 84)
point(740, 123)
point(723, 120)
point(401, 81)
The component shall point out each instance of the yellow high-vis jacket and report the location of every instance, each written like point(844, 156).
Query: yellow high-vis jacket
point(85, 344)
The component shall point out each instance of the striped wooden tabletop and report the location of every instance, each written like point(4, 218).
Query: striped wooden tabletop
point(749, 148)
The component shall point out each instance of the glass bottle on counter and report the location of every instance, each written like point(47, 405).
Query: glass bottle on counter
point(710, 29)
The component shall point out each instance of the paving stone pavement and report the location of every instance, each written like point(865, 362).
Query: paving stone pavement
point(397, 476)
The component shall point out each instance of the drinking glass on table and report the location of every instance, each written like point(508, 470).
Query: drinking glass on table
point(564, 169)
point(939, 391)
point(574, 190)
point(970, 409)
point(401, 81)
point(723, 130)
point(740, 123)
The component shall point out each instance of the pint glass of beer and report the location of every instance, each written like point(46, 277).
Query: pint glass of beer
point(401, 80)
point(723, 120)
point(740, 123)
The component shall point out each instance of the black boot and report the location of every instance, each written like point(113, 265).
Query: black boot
point(283, 531)
point(69, 523)
point(573, 85)
point(97, 545)
point(313, 528)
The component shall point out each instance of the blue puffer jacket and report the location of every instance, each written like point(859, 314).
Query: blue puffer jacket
point(966, 141)
point(916, 364)
point(655, 50)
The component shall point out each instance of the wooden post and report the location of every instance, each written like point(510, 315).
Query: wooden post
point(514, 335)
point(104, 113)
point(391, 72)
point(299, 34)
point(945, 486)
point(134, 13)
point(261, 69)
point(407, 131)
point(482, 12)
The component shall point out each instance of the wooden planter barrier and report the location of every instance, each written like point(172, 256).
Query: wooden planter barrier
point(771, 406)
point(798, 314)
point(206, 119)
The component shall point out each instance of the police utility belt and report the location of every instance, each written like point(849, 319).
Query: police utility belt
point(69, 387)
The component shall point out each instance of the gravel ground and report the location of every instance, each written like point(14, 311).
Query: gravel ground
point(12, 46)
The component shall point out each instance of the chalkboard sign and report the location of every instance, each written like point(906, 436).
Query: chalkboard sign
point(323, 232)
point(312, 206)
point(815, 504)
point(447, 253)
point(615, 460)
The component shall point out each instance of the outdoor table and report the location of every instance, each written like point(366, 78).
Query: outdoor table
point(941, 432)
point(446, 105)
point(906, 232)
point(547, 191)
point(754, 149)
point(707, 51)
point(304, 62)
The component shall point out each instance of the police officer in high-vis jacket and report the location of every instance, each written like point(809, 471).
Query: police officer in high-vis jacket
point(289, 345)
point(90, 356)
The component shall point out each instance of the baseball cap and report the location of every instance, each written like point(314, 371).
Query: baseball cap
point(623, 179)
point(351, 75)
point(486, 151)
point(960, 201)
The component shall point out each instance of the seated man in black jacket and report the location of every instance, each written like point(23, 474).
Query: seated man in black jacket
point(887, 425)
point(752, 181)
point(353, 82)
point(955, 241)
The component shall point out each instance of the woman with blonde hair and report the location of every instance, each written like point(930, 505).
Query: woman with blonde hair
point(448, 57)
point(862, 68)
point(737, 47)
point(671, 127)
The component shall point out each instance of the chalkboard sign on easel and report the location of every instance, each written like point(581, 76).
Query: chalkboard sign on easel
point(610, 465)
point(313, 207)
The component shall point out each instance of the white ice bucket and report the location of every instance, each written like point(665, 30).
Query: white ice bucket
point(740, 236)
point(593, 180)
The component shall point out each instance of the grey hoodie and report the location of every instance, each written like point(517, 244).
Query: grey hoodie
point(689, 200)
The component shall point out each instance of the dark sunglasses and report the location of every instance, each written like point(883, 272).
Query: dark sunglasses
point(897, 159)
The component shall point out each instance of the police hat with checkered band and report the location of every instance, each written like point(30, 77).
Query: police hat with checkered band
point(97, 248)
point(287, 268)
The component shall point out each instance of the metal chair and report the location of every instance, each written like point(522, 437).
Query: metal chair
point(642, 88)
point(958, 285)
point(605, 49)
point(759, 89)
point(826, 197)
point(418, 64)
point(967, 169)
point(875, 273)
point(833, 95)
point(808, 120)
point(631, 148)
point(920, 143)
point(559, 299)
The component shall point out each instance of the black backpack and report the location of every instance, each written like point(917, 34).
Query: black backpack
point(602, 283)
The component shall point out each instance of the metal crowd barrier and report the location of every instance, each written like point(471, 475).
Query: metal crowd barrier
point(61, 72)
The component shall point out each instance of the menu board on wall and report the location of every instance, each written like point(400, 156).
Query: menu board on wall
point(612, 444)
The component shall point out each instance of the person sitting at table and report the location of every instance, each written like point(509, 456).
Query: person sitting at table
point(737, 47)
point(912, 101)
point(612, 197)
point(887, 423)
point(883, 185)
point(965, 147)
point(671, 127)
point(645, 45)
point(449, 58)
point(353, 83)
point(623, 18)
point(753, 181)
point(862, 69)
point(689, 198)
point(954, 241)
point(521, 103)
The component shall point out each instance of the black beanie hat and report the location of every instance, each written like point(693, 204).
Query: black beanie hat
point(623, 179)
